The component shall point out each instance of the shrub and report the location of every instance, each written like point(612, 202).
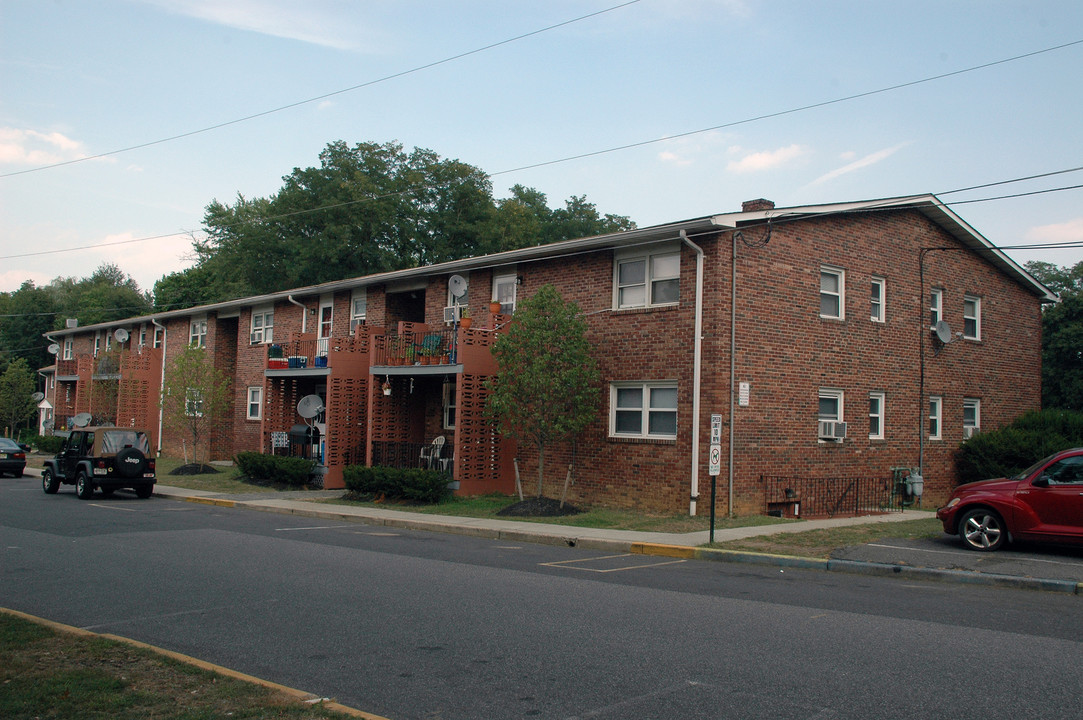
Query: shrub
point(1010, 450)
point(275, 468)
point(49, 444)
point(413, 484)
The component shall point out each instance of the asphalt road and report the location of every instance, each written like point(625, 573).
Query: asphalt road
point(416, 625)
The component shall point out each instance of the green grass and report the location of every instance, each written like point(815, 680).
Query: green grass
point(227, 480)
point(821, 543)
point(487, 506)
point(60, 676)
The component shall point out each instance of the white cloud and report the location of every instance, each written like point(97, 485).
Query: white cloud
point(1071, 231)
point(864, 162)
point(11, 280)
point(30, 147)
point(768, 160)
point(310, 22)
point(686, 151)
point(146, 261)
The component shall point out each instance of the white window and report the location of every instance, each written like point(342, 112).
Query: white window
point(67, 349)
point(97, 343)
point(935, 409)
point(878, 300)
point(643, 410)
point(504, 292)
point(876, 416)
point(971, 416)
point(255, 403)
point(158, 337)
point(197, 333)
point(263, 326)
point(108, 341)
point(832, 293)
point(831, 405)
point(971, 317)
point(193, 402)
point(647, 280)
point(936, 306)
point(450, 406)
point(142, 335)
point(358, 309)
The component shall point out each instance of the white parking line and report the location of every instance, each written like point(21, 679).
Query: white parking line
point(112, 507)
point(965, 553)
point(314, 527)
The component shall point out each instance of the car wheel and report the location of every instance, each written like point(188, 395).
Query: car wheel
point(983, 530)
point(84, 488)
point(144, 491)
point(49, 483)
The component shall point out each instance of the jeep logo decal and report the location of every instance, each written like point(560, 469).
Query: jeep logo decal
point(132, 460)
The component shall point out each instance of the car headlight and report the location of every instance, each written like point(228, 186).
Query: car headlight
point(952, 503)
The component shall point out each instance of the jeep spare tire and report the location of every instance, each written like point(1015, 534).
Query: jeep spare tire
point(131, 462)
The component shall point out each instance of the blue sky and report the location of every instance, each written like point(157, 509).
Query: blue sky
point(86, 78)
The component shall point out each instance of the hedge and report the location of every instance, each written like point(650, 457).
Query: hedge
point(276, 468)
point(413, 484)
point(1010, 450)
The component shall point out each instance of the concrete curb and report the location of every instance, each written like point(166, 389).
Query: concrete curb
point(300, 695)
point(855, 567)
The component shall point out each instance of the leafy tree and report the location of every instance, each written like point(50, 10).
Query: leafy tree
point(546, 390)
point(196, 397)
point(1062, 336)
point(28, 313)
point(108, 294)
point(16, 387)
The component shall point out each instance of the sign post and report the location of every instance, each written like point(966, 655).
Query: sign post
point(714, 461)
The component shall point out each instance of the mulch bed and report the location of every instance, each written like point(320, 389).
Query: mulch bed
point(539, 507)
point(194, 469)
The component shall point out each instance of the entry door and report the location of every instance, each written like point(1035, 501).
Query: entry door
point(327, 314)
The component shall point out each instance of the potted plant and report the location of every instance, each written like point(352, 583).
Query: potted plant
point(465, 320)
point(494, 307)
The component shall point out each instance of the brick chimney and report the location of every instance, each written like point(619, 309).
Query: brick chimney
point(757, 204)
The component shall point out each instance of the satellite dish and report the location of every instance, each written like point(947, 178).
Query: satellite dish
point(54, 349)
point(38, 396)
point(121, 335)
point(456, 285)
point(310, 406)
point(81, 420)
point(942, 331)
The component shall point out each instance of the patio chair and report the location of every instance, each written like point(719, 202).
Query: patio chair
point(430, 454)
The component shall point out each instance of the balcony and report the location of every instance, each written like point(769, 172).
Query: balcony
point(415, 346)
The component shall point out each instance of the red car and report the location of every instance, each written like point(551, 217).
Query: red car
point(1042, 503)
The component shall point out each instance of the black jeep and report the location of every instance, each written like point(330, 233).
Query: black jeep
point(108, 458)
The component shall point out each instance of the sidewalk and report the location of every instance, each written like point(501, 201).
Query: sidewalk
point(1012, 569)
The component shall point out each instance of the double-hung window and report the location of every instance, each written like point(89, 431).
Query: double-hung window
point(648, 280)
point(450, 406)
point(971, 417)
point(936, 307)
point(971, 317)
point(935, 412)
point(255, 403)
point(832, 293)
point(263, 326)
point(197, 332)
point(643, 410)
point(97, 343)
point(504, 292)
point(876, 416)
point(878, 300)
point(358, 309)
point(830, 415)
point(67, 349)
point(193, 402)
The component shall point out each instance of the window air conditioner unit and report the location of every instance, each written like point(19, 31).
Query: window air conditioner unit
point(831, 430)
point(453, 313)
point(969, 432)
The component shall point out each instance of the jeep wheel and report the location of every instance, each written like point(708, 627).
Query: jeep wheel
point(84, 487)
point(130, 462)
point(144, 491)
point(49, 483)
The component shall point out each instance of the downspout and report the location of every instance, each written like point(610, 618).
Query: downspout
point(697, 364)
point(304, 313)
point(161, 386)
point(733, 361)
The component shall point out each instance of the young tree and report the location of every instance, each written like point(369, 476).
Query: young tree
point(195, 398)
point(546, 390)
point(16, 387)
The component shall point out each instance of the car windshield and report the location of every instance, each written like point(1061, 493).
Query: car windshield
point(1033, 468)
point(9, 444)
point(114, 441)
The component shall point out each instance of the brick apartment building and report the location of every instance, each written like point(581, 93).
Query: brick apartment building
point(822, 342)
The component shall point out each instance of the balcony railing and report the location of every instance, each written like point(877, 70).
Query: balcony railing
point(297, 354)
point(435, 347)
point(412, 455)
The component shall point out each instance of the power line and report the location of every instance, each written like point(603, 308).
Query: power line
point(318, 98)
